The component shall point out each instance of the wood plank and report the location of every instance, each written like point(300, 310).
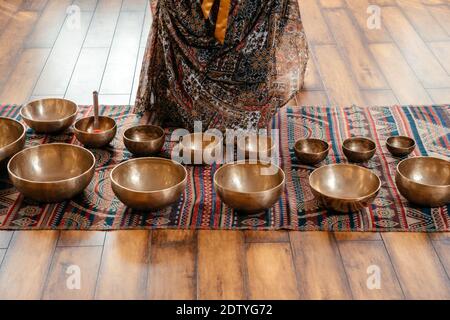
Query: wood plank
point(8, 10)
point(5, 238)
point(312, 98)
point(137, 75)
point(399, 75)
point(440, 96)
point(442, 52)
point(134, 5)
point(33, 5)
point(24, 76)
point(315, 255)
point(172, 268)
point(337, 79)
point(443, 251)
point(417, 265)
point(312, 77)
point(357, 236)
point(85, 260)
point(87, 75)
point(380, 97)
point(315, 26)
point(49, 24)
point(331, 4)
point(85, 5)
point(114, 99)
point(76, 238)
point(274, 280)
point(421, 59)
point(148, 21)
point(25, 266)
point(60, 65)
point(220, 268)
point(441, 14)
point(123, 271)
point(2, 255)
point(358, 257)
point(355, 51)
point(266, 236)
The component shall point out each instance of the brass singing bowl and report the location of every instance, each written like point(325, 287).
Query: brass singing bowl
point(195, 145)
point(359, 149)
point(52, 172)
point(255, 147)
point(344, 187)
point(311, 151)
point(12, 137)
point(144, 140)
point(249, 187)
point(148, 183)
point(400, 146)
point(49, 115)
point(85, 133)
point(424, 181)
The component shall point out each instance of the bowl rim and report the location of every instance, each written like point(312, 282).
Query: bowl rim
point(418, 183)
point(346, 198)
point(283, 180)
point(94, 133)
point(143, 126)
point(57, 181)
point(362, 138)
point(146, 159)
point(48, 121)
point(24, 132)
point(402, 148)
point(312, 139)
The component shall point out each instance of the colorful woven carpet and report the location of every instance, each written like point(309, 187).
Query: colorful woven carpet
point(199, 207)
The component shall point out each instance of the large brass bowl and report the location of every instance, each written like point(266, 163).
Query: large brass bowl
point(95, 138)
point(148, 183)
point(52, 172)
point(49, 115)
point(256, 147)
point(249, 187)
point(12, 137)
point(311, 151)
point(195, 146)
point(400, 146)
point(344, 187)
point(144, 140)
point(359, 149)
point(424, 181)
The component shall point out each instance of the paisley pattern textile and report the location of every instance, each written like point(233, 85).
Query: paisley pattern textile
point(199, 207)
point(188, 75)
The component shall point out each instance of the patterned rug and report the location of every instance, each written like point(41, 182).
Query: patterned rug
point(199, 208)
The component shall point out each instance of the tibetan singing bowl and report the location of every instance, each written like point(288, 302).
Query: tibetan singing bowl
point(359, 149)
point(148, 183)
point(311, 151)
point(424, 181)
point(52, 172)
point(249, 187)
point(12, 137)
point(400, 146)
point(255, 147)
point(144, 140)
point(344, 187)
point(95, 138)
point(196, 146)
point(49, 115)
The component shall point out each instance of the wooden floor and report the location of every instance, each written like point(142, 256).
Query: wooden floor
point(44, 53)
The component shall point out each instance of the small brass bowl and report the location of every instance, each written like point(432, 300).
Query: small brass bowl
point(195, 145)
point(424, 181)
point(148, 183)
point(52, 172)
point(311, 151)
point(249, 187)
point(359, 149)
point(344, 187)
point(49, 115)
point(12, 137)
point(144, 140)
point(256, 147)
point(85, 133)
point(400, 146)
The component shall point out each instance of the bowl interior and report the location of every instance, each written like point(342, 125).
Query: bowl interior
point(344, 181)
point(249, 177)
point(10, 131)
point(148, 174)
point(359, 144)
point(199, 141)
point(426, 170)
point(49, 109)
point(311, 146)
point(86, 125)
point(400, 142)
point(144, 133)
point(257, 143)
point(51, 162)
